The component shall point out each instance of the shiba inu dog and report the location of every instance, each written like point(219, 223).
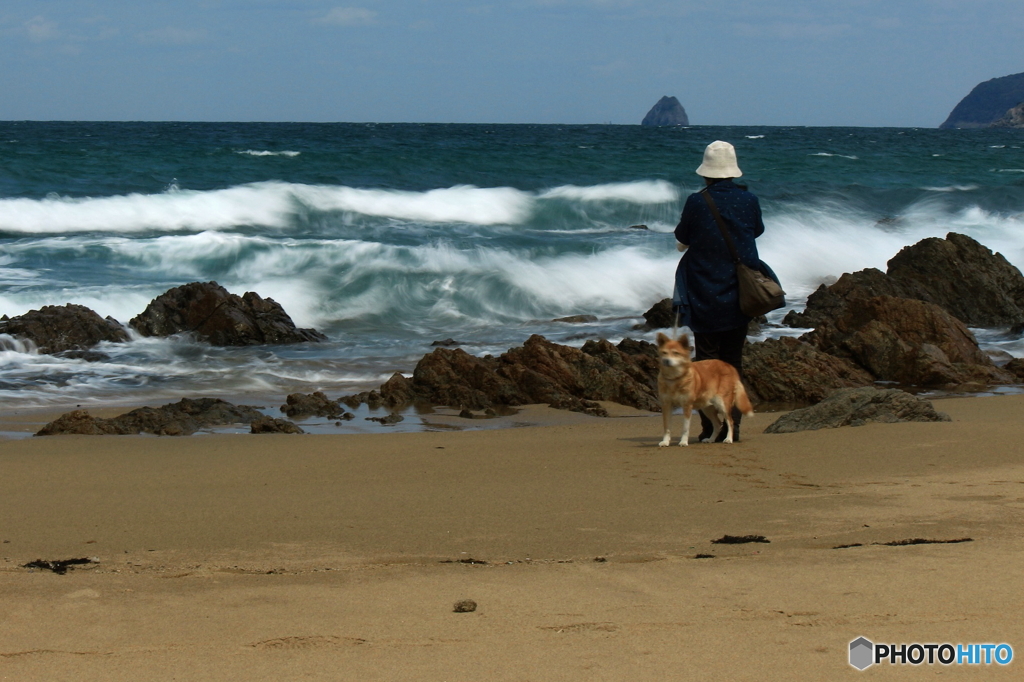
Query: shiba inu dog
point(711, 386)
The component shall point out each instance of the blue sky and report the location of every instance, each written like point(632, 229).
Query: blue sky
point(781, 62)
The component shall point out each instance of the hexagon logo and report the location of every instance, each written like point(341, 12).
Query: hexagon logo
point(862, 653)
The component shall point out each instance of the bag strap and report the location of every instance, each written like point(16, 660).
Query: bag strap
point(721, 225)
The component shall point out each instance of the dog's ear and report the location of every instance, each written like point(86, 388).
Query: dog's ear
point(685, 341)
point(661, 339)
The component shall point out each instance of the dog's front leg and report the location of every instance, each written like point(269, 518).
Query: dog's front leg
point(666, 416)
point(684, 439)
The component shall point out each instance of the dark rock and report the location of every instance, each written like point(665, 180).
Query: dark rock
point(987, 102)
point(922, 541)
point(220, 318)
point(465, 606)
point(538, 372)
point(267, 424)
point(636, 359)
point(397, 391)
point(576, 319)
point(976, 286)
point(667, 112)
point(739, 539)
point(790, 371)
point(638, 227)
point(387, 420)
point(373, 399)
point(570, 378)
point(447, 343)
point(87, 355)
point(633, 347)
point(455, 378)
point(59, 566)
point(55, 329)
point(660, 316)
point(856, 407)
point(755, 325)
point(302, 405)
point(182, 418)
point(829, 302)
point(1015, 367)
point(907, 341)
point(81, 422)
point(1014, 118)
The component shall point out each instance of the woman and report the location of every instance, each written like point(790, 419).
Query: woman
point(707, 293)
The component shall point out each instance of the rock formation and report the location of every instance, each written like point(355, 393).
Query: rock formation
point(660, 315)
point(856, 407)
point(787, 370)
point(536, 372)
point(267, 424)
point(978, 287)
point(908, 341)
point(987, 103)
point(55, 329)
point(1014, 118)
point(667, 112)
point(302, 405)
point(207, 310)
point(965, 278)
point(182, 418)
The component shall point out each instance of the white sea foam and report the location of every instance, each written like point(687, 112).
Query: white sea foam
point(755, 137)
point(277, 205)
point(809, 245)
point(11, 347)
point(952, 188)
point(257, 152)
point(460, 204)
point(844, 156)
point(641, 192)
point(263, 204)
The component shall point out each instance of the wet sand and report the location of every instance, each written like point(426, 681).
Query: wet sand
point(340, 557)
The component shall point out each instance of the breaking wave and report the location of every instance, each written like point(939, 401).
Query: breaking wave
point(280, 205)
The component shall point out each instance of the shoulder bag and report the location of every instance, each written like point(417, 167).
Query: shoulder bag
point(759, 294)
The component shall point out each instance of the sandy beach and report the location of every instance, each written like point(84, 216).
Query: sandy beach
point(340, 557)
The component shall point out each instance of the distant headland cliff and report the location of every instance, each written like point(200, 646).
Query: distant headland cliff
point(996, 103)
point(667, 112)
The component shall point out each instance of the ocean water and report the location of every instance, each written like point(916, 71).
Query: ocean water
point(387, 237)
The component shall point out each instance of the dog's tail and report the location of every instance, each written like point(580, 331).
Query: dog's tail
point(742, 401)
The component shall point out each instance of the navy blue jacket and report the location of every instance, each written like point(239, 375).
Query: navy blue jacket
point(707, 296)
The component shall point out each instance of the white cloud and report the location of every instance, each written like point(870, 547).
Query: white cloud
point(40, 29)
point(348, 16)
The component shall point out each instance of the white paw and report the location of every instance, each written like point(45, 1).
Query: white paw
point(663, 444)
point(707, 440)
point(728, 440)
point(683, 442)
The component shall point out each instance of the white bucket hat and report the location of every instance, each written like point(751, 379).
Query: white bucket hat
point(719, 161)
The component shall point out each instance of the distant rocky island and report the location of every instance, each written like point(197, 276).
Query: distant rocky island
point(996, 103)
point(667, 112)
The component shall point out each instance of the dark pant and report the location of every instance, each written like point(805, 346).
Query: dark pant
point(728, 347)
